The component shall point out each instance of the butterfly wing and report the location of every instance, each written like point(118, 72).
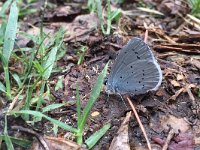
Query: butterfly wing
point(135, 69)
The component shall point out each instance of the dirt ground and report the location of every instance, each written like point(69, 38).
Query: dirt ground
point(175, 42)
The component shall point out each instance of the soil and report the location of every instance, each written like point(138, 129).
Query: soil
point(175, 44)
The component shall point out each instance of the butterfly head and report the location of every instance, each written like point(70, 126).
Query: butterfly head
point(110, 89)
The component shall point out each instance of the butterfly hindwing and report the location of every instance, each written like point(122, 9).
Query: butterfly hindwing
point(138, 77)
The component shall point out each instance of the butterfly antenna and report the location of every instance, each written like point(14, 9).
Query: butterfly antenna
point(123, 100)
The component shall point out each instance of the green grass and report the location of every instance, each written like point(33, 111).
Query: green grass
point(195, 6)
point(199, 92)
point(81, 51)
point(96, 6)
point(8, 44)
point(82, 116)
point(18, 141)
point(31, 88)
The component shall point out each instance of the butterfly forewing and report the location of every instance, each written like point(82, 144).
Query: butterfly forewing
point(135, 50)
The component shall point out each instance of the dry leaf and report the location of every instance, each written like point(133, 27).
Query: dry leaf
point(80, 28)
point(121, 142)
point(179, 77)
point(160, 92)
point(176, 123)
point(182, 141)
point(173, 97)
point(175, 83)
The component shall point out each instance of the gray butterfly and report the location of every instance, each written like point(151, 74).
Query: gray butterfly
point(135, 70)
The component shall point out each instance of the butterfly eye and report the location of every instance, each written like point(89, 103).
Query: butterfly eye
point(105, 82)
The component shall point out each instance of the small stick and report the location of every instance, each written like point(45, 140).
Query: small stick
point(38, 136)
point(146, 33)
point(14, 101)
point(139, 121)
point(188, 89)
point(169, 137)
point(166, 55)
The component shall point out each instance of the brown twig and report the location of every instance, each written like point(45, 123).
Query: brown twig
point(139, 122)
point(38, 136)
point(169, 137)
point(190, 94)
point(14, 101)
point(188, 89)
point(180, 48)
point(159, 32)
point(173, 97)
point(146, 33)
point(166, 55)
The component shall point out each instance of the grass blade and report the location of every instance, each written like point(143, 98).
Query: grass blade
point(2, 87)
point(18, 141)
point(93, 96)
point(39, 114)
point(40, 98)
point(4, 7)
point(109, 18)
point(9, 39)
point(6, 71)
point(50, 62)
point(6, 137)
point(93, 139)
point(79, 117)
point(8, 142)
point(11, 30)
point(115, 14)
point(52, 107)
point(59, 84)
point(52, 55)
point(17, 79)
point(78, 105)
point(2, 33)
point(99, 13)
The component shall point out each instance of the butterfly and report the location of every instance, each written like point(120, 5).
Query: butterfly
point(135, 70)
